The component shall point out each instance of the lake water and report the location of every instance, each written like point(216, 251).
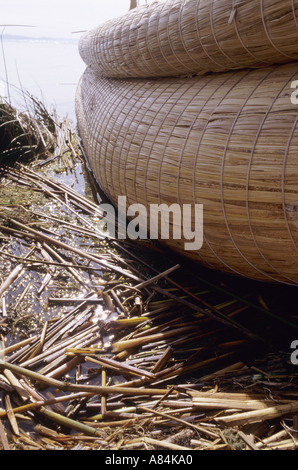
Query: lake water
point(49, 69)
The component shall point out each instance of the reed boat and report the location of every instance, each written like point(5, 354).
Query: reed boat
point(225, 140)
point(186, 37)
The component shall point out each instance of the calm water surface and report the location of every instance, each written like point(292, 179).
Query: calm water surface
point(49, 69)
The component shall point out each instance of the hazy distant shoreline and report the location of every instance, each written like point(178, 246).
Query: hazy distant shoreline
point(12, 37)
point(48, 68)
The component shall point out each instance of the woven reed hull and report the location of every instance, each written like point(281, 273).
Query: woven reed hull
point(227, 141)
point(177, 37)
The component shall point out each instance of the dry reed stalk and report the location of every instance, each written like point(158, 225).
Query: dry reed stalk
point(58, 345)
point(70, 300)
point(273, 438)
point(11, 416)
point(3, 437)
point(259, 415)
point(225, 371)
point(69, 423)
point(64, 195)
point(11, 278)
point(288, 444)
point(178, 420)
point(26, 443)
point(97, 390)
point(37, 261)
point(156, 278)
point(32, 233)
point(83, 351)
point(193, 37)
point(116, 423)
point(55, 363)
point(204, 140)
point(228, 403)
point(63, 369)
point(17, 385)
point(3, 305)
point(51, 186)
point(201, 445)
point(39, 347)
point(137, 342)
point(248, 440)
point(122, 368)
point(185, 434)
point(46, 402)
point(58, 257)
point(63, 327)
point(164, 359)
point(20, 344)
point(163, 444)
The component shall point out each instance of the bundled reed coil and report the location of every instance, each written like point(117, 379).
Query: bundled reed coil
point(185, 37)
point(228, 141)
point(160, 127)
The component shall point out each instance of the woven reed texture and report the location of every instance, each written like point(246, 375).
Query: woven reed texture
point(186, 37)
point(228, 141)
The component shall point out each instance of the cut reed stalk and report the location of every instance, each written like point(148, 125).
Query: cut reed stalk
point(97, 390)
point(259, 415)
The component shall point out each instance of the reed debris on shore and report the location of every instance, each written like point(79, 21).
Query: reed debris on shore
point(109, 344)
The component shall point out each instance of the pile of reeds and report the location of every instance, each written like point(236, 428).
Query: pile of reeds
point(175, 37)
point(131, 351)
point(26, 134)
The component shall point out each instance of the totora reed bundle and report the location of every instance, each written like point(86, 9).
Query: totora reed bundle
point(160, 127)
point(227, 141)
point(185, 37)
